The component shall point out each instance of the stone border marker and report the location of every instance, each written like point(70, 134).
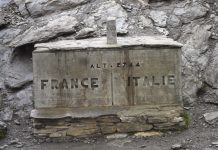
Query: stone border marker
point(90, 87)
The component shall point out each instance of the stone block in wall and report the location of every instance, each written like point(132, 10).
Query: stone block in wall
point(109, 119)
point(107, 128)
point(58, 134)
point(82, 129)
point(44, 131)
point(133, 127)
point(157, 119)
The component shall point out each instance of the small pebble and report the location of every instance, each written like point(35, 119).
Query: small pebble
point(19, 146)
point(176, 146)
point(16, 122)
point(16, 141)
point(215, 143)
point(3, 147)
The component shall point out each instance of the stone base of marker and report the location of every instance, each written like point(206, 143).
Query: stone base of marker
point(85, 122)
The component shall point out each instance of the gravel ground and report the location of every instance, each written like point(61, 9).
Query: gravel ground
point(198, 136)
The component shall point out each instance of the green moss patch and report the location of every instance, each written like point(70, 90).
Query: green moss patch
point(3, 134)
point(186, 119)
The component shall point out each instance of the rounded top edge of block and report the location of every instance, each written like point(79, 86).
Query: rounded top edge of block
point(101, 43)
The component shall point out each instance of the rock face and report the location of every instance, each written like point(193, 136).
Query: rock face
point(7, 114)
point(7, 35)
point(58, 26)
point(159, 18)
point(19, 81)
point(212, 71)
point(145, 22)
point(195, 58)
point(85, 33)
point(44, 7)
point(2, 22)
point(197, 44)
point(190, 12)
point(112, 9)
point(211, 117)
point(173, 21)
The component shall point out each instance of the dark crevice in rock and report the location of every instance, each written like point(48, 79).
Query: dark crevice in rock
point(3, 26)
point(201, 91)
point(19, 69)
point(25, 5)
point(22, 51)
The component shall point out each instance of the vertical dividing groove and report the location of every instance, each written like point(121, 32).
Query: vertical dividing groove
point(112, 93)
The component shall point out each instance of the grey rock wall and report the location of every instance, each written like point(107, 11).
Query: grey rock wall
point(26, 22)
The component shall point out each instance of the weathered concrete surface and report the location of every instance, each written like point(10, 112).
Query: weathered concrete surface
point(124, 112)
point(147, 41)
point(78, 75)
